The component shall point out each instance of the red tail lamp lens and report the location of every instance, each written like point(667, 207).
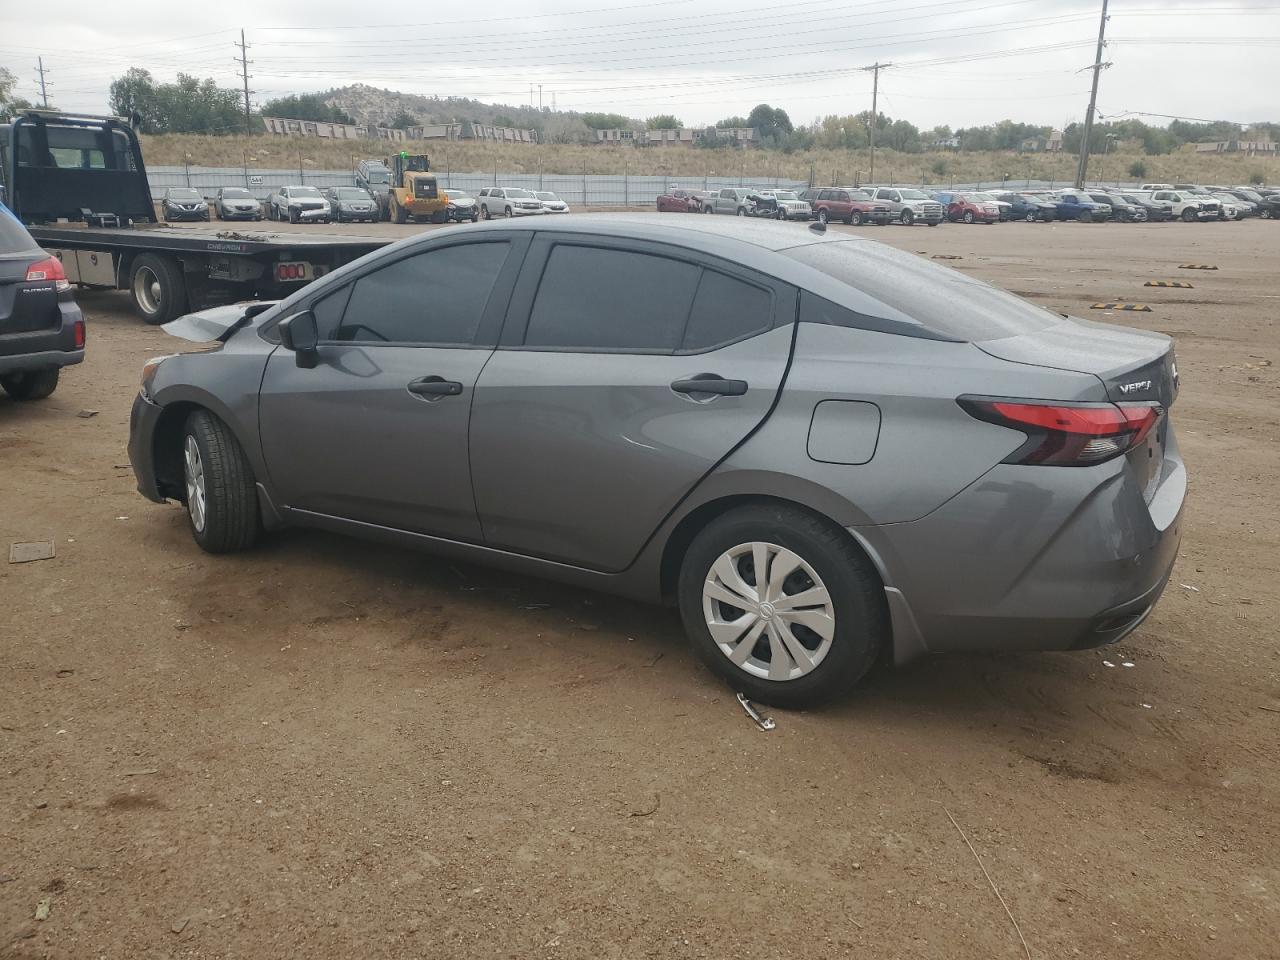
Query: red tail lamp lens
point(1073, 435)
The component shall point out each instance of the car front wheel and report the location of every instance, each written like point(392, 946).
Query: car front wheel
point(220, 496)
point(968, 216)
point(782, 605)
point(907, 218)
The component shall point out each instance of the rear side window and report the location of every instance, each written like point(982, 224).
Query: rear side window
point(941, 300)
point(436, 297)
point(725, 310)
point(13, 235)
point(591, 298)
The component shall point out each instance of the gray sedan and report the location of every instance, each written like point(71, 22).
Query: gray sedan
point(819, 447)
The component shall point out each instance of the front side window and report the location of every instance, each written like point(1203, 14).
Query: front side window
point(593, 298)
point(436, 297)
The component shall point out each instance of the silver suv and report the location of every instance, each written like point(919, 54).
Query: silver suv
point(508, 202)
point(819, 447)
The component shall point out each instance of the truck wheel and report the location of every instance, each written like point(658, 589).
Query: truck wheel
point(854, 219)
point(220, 496)
point(30, 384)
point(907, 218)
point(506, 212)
point(440, 216)
point(158, 289)
point(1188, 215)
point(708, 209)
point(822, 216)
point(398, 213)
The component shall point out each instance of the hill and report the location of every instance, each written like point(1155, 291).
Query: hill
point(376, 106)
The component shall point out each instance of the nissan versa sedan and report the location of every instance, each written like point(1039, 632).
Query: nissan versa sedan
point(819, 447)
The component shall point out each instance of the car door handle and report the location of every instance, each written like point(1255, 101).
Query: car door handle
point(710, 383)
point(435, 387)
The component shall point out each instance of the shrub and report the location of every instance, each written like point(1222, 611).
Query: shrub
point(1257, 177)
point(1138, 170)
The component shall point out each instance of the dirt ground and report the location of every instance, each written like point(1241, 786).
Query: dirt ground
point(328, 749)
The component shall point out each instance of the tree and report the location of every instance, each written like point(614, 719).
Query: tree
point(306, 106)
point(499, 120)
point(607, 121)
point(404, 120)
point(664, 121)
point(134, 94)
point(732, 122)
point(1138, 170)
point(8, 102)
point(771, 122)
point(189, 105)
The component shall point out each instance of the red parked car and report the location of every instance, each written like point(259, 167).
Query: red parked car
point(677, 200)
point(850, 205)
point(972, 210)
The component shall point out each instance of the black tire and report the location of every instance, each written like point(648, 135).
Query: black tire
point(475, 217)
point(907, 217)
point(855, 218)
point(742, 211)
point(30, 384)
point(708, 209)
point(293, 215)
point(968, 216)
point(506, 212)
point(440, 216)
point(230, 519)
point(1030, 217)
point(822, 216)
point(1188, 215)
point(857, 598)
point(165, 295)
point(932, 223)
point(1084, 216)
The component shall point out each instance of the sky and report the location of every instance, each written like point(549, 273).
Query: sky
point(955, 62)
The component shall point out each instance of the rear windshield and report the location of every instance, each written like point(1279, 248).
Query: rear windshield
point(939, 298)
point(13, 235)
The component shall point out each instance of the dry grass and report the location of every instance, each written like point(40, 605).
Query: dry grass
point(826, 166)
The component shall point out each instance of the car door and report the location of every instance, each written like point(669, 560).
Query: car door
point(627, 370)
point(376, 432)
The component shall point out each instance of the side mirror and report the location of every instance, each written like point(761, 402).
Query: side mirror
point(299, 334)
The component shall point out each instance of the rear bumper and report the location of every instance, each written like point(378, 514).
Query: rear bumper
point(41, 349)
point(142, 430)
point(1033, 558)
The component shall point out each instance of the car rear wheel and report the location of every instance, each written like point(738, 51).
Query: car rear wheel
point(30, 384)
point(968, 216)
point(782, 605)
point(157, 288)
point(220, 495)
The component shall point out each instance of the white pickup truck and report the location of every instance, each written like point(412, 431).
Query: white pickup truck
point(1188, 207)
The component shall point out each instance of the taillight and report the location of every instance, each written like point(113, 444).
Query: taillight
point(78, 331)
point(49, 269)
point(1068, 435)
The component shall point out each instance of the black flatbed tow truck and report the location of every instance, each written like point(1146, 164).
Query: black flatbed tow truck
point(80, 185)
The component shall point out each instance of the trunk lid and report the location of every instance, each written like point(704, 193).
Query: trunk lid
point(1134, 366)
point(25, 305)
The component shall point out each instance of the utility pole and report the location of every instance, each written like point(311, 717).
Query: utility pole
point(875, 69)
point(1093, 100)
point(539, 98)
point(44, 87)
point(244, 62)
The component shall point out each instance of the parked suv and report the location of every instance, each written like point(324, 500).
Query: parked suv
point(1156, 212)
point(1121, 209)
point(236, 203)
point(183, 203)
point(352, 203)
point(41, 327)
point(508, 202)
point(911, 206)
point(298, 204)
point(969, 208)
point(749, 422)
point(851, 205)
point(1024, 206)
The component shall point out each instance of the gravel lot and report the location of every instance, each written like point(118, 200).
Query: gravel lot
point(328, 749)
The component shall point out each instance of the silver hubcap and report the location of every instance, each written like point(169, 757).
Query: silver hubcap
point(193, 468)
point(768, 611)
point(146, 289)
